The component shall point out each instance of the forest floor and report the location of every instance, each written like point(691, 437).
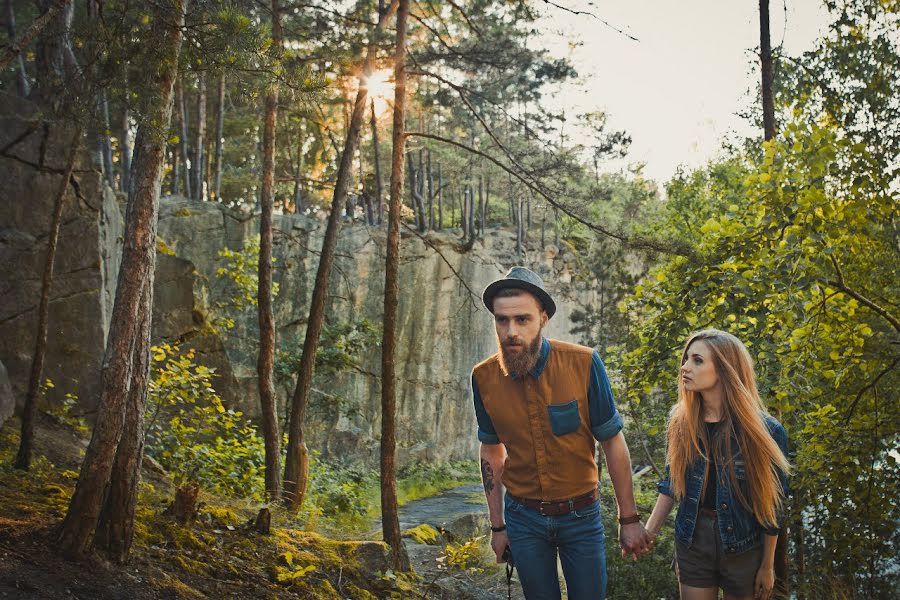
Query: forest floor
point(219, 554)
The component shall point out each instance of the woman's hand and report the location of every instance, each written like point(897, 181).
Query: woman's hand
point(765, 581)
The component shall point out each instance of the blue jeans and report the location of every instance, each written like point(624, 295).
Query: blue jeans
point(578, 538)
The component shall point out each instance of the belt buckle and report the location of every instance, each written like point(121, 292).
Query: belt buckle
point(541, 508)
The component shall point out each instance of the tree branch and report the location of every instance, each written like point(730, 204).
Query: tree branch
point(15, 48)
point(592, 15)
point(867, 387)
point(841, 285)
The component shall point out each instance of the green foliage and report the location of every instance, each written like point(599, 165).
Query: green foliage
point(468, 556)
point(241, 270)
point(346, 497)
point(652, 576)
point(341, 346)
point(62, 409)
point(193, 435)
point(790, 270)
point(291, 572)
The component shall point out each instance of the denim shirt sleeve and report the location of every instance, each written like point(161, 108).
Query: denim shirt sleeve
point(776, 430)
point(605, 419)
point(486, 432)
point(665, 485)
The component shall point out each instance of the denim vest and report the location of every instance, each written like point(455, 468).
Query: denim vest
point(738, 528)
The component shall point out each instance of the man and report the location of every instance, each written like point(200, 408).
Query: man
point(540, 405)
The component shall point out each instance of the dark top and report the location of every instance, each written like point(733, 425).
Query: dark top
point(709, 490)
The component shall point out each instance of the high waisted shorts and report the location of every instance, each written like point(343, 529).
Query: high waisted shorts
point(705, 564)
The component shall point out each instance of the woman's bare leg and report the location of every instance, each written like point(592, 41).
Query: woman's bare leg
point(695, 593)
point(733, 597)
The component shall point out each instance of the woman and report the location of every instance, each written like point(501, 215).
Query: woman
point(727, 468)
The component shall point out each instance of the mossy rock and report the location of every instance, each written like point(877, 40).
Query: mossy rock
point(423, 534)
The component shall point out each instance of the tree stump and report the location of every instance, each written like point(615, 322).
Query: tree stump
point(184, 507)
point(264, 521)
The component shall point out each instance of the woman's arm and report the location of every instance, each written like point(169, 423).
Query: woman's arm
point(765, 576)
point(658, 517)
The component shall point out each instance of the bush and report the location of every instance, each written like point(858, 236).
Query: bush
point(191, 433)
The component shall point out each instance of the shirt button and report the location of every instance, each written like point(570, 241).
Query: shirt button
point(724, 505)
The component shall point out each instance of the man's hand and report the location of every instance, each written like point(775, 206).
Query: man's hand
point(765, 581)
point(499, 542)
point(633, 539)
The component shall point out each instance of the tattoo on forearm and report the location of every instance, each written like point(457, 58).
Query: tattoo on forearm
point(487, 476)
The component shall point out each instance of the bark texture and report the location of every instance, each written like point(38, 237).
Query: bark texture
point(765, 56)
point(111, 468)
point(265, 362)
point(389, 509)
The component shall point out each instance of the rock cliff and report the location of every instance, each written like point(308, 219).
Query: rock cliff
point(442, 327)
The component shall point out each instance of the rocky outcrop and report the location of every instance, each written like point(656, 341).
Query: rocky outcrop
point(33, 153)
point(443, 329)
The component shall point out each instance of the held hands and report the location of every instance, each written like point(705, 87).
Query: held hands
point(635, 540)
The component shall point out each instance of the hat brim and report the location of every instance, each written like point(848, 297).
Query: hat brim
point(504, 284)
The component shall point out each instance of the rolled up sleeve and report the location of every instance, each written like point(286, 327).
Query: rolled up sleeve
point(665, 485)
point(606, 421)
point(486, 432)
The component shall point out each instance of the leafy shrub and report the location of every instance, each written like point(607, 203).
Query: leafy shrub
point(241, 271)
point(468, 556)
point(193, 435)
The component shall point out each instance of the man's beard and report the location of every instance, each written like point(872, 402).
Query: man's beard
point(522, 362)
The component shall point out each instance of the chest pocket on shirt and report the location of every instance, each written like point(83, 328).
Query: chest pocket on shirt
point(564, 418)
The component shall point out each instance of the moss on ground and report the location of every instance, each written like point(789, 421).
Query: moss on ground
point(219, 554)
point(423, 534)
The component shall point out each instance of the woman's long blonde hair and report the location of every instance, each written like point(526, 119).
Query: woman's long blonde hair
point(743, 420)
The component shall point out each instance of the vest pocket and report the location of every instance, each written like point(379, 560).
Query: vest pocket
point(564, 418)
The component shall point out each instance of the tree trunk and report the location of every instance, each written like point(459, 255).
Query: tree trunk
point(463, 212)
point(197, 166)
point(29, 410)
point(15, 48)
point(429, 180)
point(115, 529)
point(183, 146)
point(440, 195)
point(265, 363)
point(481, 205)
point(519, 226)
point(21, 74)
point(176, 176)
point(125, 362)
point(104, 145)
point(389, 508)
point(220, 132)
point(765, 55)
point(378, 189)
point(296, 467)
point(298, 176)
point(125, 147)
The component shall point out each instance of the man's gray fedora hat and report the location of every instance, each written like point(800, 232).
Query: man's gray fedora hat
point(522, 279)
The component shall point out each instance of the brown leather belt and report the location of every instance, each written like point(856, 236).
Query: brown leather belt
point(555, 508)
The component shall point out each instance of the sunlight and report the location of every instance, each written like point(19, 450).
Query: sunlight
point(381, 89)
